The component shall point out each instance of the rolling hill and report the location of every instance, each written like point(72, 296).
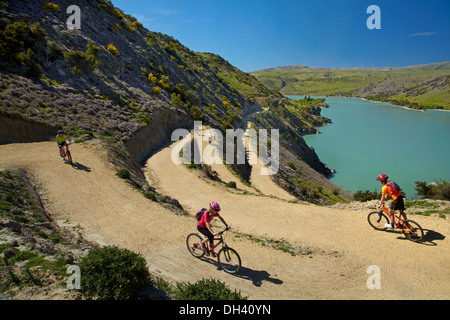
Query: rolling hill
point(421, 86)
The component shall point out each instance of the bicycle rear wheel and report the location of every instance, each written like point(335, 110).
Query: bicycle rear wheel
point(412, 230)
point(377, 220)
point(193, 244)
point(229, 260)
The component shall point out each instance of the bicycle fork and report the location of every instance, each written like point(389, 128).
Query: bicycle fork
point(380, 215)
point(226, 254)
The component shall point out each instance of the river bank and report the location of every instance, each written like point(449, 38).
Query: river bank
point(361, 138)
point(403, 106)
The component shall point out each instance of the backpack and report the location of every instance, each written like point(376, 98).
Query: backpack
point(200, 213)
point(395, 189)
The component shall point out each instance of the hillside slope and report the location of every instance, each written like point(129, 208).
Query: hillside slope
point(116, 84)
point(329, 263)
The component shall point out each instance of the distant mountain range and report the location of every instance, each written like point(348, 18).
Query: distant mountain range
point(420, 86)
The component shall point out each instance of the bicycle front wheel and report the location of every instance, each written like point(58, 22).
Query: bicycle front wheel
point(229, 260)
point(412, 230)
point(193, 243)
point(377, 220)
point(69, 157)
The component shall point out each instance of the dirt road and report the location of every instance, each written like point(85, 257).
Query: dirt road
point(341, 242)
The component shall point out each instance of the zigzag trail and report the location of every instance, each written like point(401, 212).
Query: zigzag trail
point(343, 245)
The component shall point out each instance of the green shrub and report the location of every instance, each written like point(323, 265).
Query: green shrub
point(16, 39)
point(231, 184)
point(435, 190)
point(92, 50)
point(111, 273)
point(37, 33)
point(210, 289)
point(150, 195)
point(367, 195)
point(22, 256)
point(54, 52)
point(176, 100)
point(123, 173)
point(291, 165)
point(34, 69)
point(196, 113)
point(81, 61)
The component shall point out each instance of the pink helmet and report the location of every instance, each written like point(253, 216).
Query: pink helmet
point(214, 205)
point(382, 177)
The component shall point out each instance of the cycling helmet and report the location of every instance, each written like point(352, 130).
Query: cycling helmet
point(60, 131)
point(382, 177)
point(214, 205)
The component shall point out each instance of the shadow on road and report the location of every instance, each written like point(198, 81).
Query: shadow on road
point(80, 166)
point(429, 236)
point(257, 277)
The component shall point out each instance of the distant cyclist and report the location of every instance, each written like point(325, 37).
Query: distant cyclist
point(210, 136)
point(390, 188)
point(61, 140)
point(204, 227)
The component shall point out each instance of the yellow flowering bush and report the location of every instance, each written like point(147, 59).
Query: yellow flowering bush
point(111, 48)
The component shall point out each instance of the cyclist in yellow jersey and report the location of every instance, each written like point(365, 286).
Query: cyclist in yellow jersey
point(61, 141)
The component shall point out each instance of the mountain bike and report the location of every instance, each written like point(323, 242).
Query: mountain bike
point(229, 260)
point(411, 229)
point(64, 153)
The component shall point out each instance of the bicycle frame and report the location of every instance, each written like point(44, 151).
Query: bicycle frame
point(64, 150)
point(220, 239)
point(400, 224)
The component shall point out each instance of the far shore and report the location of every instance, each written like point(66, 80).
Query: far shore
point(396, 105)
point(365, 99)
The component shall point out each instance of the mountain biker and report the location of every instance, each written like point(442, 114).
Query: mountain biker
point(61, 141)
point(204, 227)
point(397, 200)
point(210, 137)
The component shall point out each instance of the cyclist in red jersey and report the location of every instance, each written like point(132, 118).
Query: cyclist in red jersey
point(204, 227)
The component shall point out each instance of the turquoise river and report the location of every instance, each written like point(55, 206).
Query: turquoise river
point(369, 138)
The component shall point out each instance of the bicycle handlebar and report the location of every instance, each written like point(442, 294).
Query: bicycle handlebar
point(376, 207)
point(221, 232)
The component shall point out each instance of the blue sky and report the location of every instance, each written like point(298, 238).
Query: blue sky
point(258, 34)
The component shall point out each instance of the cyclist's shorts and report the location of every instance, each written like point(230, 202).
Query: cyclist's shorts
point(398, 204)
point(64, 143)
point(206, 233)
